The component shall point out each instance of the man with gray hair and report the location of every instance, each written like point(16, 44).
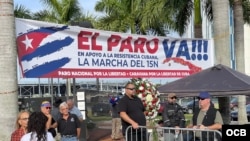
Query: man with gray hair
point(68, 124)
point(74, 110)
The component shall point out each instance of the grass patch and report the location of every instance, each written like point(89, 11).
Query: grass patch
point(106, 118)
point(100, 118)
point(188, 118)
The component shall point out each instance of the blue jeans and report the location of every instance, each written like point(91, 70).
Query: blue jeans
point(69, 139)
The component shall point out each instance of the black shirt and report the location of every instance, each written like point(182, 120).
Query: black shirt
point(134, 109)
point(173, 115)
point(52, 130)
point(69, 126)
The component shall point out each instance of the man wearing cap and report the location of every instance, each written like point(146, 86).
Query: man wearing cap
point(173, 117)
point(45, 109)
point(207, 118)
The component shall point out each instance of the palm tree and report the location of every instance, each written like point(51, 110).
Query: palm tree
point(221, 36)
point(120, 15)
point(197, 19)
point(21, 12)
point(135, 16)
point(221, 43)
point(8, 70)
point(239, 52)
point(62, 11)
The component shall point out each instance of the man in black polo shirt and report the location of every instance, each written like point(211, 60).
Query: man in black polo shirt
point(68, 124)
point(131, 111)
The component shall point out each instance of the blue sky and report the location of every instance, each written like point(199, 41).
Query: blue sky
point(36, 5)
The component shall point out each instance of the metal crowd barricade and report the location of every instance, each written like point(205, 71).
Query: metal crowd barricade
point(172, 134)
point(141, 132)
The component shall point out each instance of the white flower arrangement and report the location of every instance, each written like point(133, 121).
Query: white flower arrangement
point(150, 97)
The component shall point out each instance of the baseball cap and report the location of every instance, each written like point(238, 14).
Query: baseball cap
point(204, 95)
point(45, 104)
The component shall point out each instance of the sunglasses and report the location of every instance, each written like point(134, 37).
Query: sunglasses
point(48, 107)
point(131, 89)
point(174, 97)
point(201, 98)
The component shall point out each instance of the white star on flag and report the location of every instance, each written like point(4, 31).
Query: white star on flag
point(27, 42)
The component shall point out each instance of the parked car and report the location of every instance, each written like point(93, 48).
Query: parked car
point(190, 106)
point(234, 114)
point(234, 103)
point(101, 109)
point(184, 100)
point(180, 101)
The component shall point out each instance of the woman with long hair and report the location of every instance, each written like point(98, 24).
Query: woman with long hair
point(37, 128)
point(21, 126)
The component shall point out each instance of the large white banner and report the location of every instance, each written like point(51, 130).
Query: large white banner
point(48, 50)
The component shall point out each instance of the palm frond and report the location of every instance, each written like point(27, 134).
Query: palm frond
point(246, 11)
point(208, 10)
point(182, 17)
point(21, 11)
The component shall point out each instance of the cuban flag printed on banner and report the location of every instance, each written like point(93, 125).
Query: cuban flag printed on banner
point(36, 45)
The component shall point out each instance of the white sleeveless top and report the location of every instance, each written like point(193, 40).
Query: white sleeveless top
point(27, 137)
